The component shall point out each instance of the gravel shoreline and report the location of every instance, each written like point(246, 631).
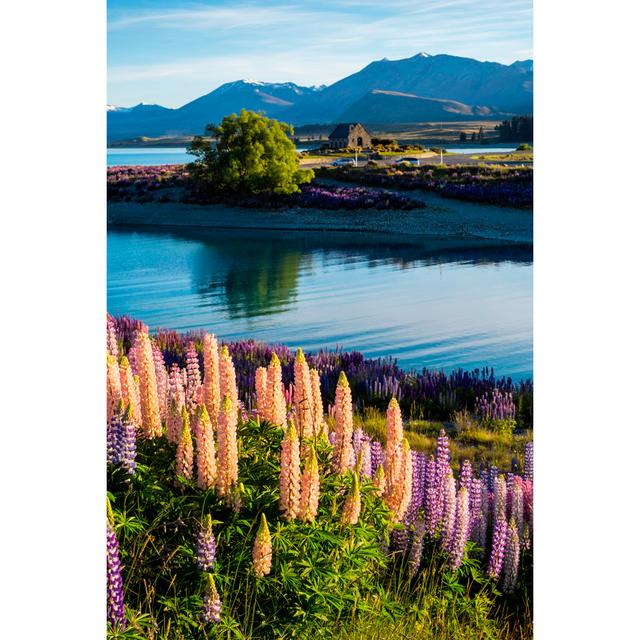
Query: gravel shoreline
point(440, 217)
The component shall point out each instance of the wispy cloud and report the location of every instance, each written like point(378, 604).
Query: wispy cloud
point(201, 46)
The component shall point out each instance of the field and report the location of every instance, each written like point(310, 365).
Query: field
point(254, 493)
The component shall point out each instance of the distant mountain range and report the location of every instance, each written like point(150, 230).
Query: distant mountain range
point(423, 88)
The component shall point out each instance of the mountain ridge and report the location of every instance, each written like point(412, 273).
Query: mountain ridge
point(420, 88)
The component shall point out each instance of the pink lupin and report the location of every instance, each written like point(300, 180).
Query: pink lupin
point(310, 487)
point(261, 392)
point(290, 473)
point(317, 407)
point(227, 448)
point(343, 455)
point(206, 449)
point(276, 404)
point(211, 382)
point(302, 396)
point(150, 409)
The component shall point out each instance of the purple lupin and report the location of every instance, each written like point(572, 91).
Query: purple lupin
point(511, 557)
point(497, 549)
point(528, 461)
point(460, 530)
point(211, 603)
point(206, 545)
point(115, 597)
point(417, 546)
point(128, 459)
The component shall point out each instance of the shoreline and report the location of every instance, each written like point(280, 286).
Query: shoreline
point(442, 218)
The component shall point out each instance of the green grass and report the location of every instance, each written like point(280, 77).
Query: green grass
point(475, 443)
point(518, 156)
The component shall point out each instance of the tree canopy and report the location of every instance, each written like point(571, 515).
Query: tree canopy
point(249, 154)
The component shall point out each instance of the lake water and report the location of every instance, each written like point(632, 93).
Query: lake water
point(152, 156)
point(427, 305)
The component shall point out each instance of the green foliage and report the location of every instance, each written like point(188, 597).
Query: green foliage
point(327, 579)
point(252, 155)
point(524, 147)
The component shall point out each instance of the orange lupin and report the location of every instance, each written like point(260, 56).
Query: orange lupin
point(129, 389)
point(184, 452)
point(261, 554)
point(310, 487)
point(393, 457)
point(352, 505)
point(227, 448)
point(114, 389)
point(206, 449)
point(317, 408)
point(228, 379)
point(343, 455)
point(290, 473)
point(151, 424)
point(276, 404)
point(398, 491)
point(211, 382)
point(302, 396)
point(261, 392)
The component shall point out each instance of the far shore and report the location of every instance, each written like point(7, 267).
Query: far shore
point(440, 218)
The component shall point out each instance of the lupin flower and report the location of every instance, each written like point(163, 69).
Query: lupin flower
point(449, 511)
point(276, 404)
point(114, 436)
point(497, 549)
point(379, 481)
point(128, 457)
point(112, 341)
point(174, 421)
point(365, 459)
point(511, 557)
point(261, 553)
point(206, 449)
point(517, 505)
point(398, 491)
point(500, 499)
point(115, 598)
point(162, 379)
point(302, 396)
point(211, 382)
point(460, 530)
point(206, 545)
point(376, 456)
point(343, 457)
point(261, 392)
point(352, 505)
point(290, 473)
point(211, 603)
point(130, 389)
point(184, 452)
point(394, 442)
point(478, 519)
point(310, 487)
point(150, 409)
point(227, 447)
point(417, 546)
point(417, 486)
point(114, 389)
point(316, 396)
point(466, 475)
point(528, 461)
point(193, 379)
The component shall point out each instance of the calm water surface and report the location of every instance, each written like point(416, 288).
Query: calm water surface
point(426, 305)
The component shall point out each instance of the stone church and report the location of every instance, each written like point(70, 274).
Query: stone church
point(352, 134)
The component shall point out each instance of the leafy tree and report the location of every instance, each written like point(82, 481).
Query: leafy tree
point(252, 154)
point(463, 136)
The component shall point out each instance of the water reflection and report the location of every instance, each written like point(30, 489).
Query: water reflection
point(439, 303)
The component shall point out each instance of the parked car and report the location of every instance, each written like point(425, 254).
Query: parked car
point(412, 161)
point(341, 162)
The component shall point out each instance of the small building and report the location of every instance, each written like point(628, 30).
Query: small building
point(351, 134)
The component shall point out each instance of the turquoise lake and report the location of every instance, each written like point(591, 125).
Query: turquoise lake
point(428, 305)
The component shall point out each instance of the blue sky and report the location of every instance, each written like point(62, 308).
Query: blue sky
point(170, 52)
